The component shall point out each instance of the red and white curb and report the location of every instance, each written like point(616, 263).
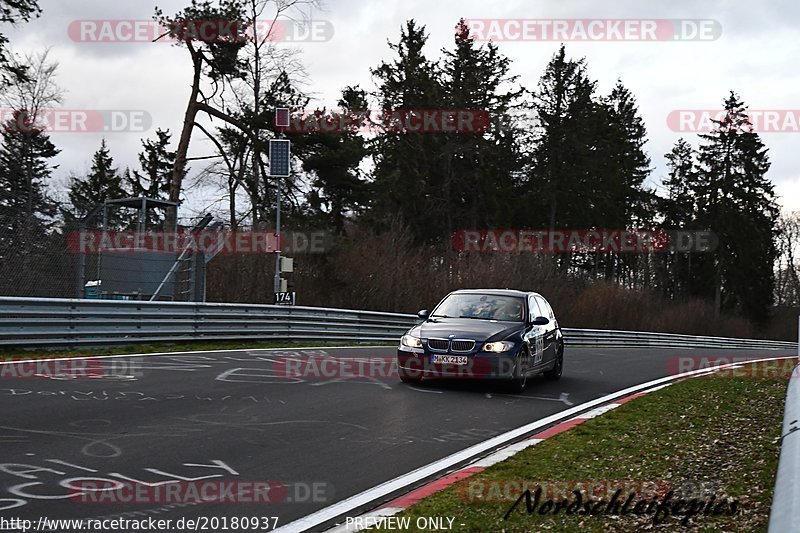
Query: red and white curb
point(502, 451)
point(373, 518)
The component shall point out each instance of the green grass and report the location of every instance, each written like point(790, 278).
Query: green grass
point(17, 354)
point(722, 432)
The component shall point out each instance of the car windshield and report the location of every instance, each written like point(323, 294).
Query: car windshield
point(482, 307)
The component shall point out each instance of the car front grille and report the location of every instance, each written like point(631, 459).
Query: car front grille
point(444, 345)
point(462, 346)
point(438, 344)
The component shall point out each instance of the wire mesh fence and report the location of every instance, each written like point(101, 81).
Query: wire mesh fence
point(363, 270)
point(88, 262)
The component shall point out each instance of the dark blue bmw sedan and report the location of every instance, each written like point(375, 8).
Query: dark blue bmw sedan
point(484, 334)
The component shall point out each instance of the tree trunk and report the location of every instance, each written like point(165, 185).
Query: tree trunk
point(176, 183)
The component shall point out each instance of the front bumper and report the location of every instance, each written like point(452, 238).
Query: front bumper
point(480, 365)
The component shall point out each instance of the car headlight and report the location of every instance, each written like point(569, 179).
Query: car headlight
point(497, 347)
point(411, 341)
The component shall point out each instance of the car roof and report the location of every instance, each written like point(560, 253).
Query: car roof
point(495, 292)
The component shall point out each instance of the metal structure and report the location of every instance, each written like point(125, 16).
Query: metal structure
point(46, 322)
point(135, 272)
point(280, 166)
point(200, 226)
point(141, 205)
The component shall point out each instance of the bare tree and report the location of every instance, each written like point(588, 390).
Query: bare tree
point(217, 66)
point(38, 91)
point(28, 99)
point(787, 276)
point(268, 62)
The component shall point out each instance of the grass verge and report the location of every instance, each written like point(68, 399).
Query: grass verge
point(702, 437)
point(18, 354)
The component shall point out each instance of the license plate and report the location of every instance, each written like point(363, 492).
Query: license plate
point(450, 359)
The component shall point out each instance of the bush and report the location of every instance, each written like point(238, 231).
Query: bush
point(388, 272)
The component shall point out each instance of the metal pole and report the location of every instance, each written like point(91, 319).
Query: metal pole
point(277, 283)
point(280, 124)
point(189, 243)
point(80, 267)
point(278, 234)
point(100, 248)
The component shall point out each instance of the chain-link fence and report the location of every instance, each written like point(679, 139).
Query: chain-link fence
point(37, 265)
point(136, 260)
point(362, 270)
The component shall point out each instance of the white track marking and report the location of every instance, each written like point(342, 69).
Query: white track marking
point(314, 520)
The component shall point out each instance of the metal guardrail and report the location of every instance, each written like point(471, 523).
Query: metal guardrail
point(603, 337)
point(43, 322)
point(46, 322)
point(785, 514)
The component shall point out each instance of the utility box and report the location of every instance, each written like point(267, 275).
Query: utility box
point(92, 290)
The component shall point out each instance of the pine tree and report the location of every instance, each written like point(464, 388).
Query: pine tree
point(737, 202)
point(156, 162)
point(679, 212)
point(481, 167)
point(623, 164)
point(334, 159)
point(620, 167)
point(561, 182)
point(406, 162)
point(103, 183)
point(679, 208)
point(26, 210)
point(14, 12)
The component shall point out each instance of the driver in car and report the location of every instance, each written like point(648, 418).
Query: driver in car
point(511, 311)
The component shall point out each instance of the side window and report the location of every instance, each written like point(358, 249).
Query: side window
point(546, 309)
point(534, 307)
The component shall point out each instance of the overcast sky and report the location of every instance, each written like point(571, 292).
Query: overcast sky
point(755, 55)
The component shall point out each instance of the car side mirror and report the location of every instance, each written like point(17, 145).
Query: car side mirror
point(540, 321)
point(424, 314)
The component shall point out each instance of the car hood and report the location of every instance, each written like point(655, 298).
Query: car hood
point(467, 328)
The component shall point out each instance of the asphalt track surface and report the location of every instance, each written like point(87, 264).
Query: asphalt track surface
point(222, 417)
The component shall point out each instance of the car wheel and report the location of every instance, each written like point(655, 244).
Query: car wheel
point(519, 378)
point(558, 368)
point(409, 377)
